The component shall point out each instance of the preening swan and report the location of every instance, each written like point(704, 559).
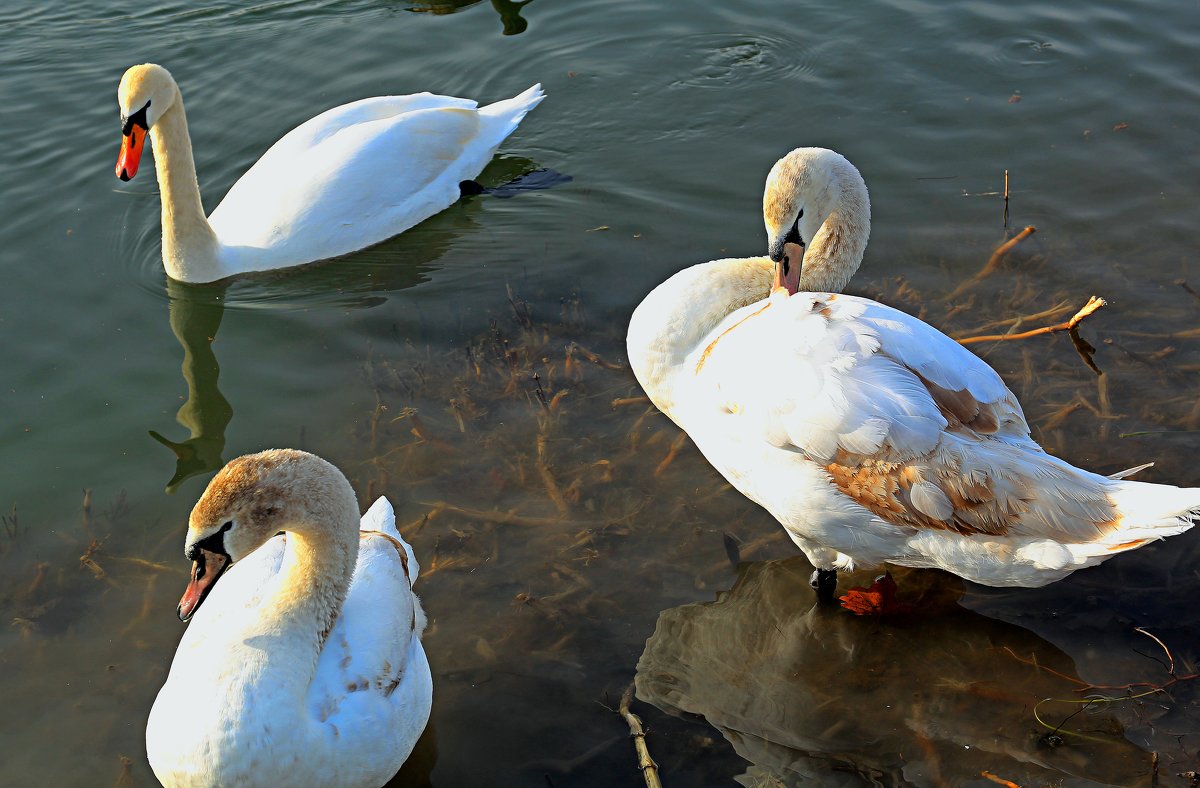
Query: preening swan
point(871, 436)
point(351, 177)
point(303, 665)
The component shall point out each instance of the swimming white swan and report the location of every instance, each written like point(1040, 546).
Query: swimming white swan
point(351, 177)
point(871, 436)
point(304, 666)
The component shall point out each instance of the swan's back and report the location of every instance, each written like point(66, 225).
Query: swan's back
point(373, 682)
point(358, 174)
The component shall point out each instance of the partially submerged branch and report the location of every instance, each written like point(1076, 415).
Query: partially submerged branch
point(638, 734)
point(993, 262)
point(1094, 303)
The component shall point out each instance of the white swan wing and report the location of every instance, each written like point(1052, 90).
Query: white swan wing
point(889, 412)
point(373, 689)
point(829, 373)
point(357, 175)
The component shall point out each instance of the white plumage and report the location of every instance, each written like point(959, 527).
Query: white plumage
point(871, 436)
point(348, 178)
point(259, 694)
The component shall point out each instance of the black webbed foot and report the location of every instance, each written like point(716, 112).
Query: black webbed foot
point(470, 188)
point(824, 582)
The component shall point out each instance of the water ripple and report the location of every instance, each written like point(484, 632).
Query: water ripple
point(719, 60)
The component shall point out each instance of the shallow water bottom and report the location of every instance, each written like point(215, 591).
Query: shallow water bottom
point(573, 542)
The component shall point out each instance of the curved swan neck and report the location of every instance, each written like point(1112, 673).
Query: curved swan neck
point(318, 564)
point(681, 311)
point(819, 195)
point(189, 245)
point(836, 250)
point(317, 567)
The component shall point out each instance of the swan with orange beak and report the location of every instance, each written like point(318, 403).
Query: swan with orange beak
point(303, 663)
point(347, 179)
point(871, 436)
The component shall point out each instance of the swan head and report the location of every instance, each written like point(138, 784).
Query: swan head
point(817, 216)
point(145, 93)
point(252, 499)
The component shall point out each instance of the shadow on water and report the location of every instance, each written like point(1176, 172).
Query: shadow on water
point(417, 771)
point(509, 11)
point(811, 694)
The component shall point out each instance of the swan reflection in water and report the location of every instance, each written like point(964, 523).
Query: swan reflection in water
point(195, 314)
point(358, 281)
point(509, 11)
point(812, 694)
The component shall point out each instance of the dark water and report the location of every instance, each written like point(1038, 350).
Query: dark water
point(558, 531)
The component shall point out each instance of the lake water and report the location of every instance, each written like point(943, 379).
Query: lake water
point(558, 532)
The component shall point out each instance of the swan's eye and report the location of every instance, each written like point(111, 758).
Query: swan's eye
point(136, 119)
point(213, 543)
point(793, 236)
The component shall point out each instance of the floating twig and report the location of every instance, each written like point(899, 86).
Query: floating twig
point(636, 732)
point(508, 518)
point(1094, 303)
point(1061, 308)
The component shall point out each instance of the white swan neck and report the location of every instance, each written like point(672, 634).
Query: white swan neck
point(189, 245)
point(318, 565)
point(683, 310)
point(836, 250)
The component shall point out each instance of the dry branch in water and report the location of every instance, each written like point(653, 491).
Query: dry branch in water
point(993, 263)
point(1094, 303)
point(1061, 308)
point(998, 780)
point(676, 445)
point(509, 518)
point(638, 734)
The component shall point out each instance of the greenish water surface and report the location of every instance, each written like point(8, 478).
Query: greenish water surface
point(558, 531)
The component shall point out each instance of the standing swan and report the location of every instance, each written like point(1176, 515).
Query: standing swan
point(305, 665)
point(351, 177)
point(870, 435)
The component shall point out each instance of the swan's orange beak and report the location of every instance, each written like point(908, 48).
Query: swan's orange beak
point(787, 269)
point(206, 568)
point(131, 152)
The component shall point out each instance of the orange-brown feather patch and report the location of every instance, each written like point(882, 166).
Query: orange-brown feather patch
point(883, 488)
point(713, 344)
point(960, 408)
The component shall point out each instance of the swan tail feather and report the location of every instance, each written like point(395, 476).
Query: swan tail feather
point(381, 517)
point(1148, 512)
point(513, 110)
